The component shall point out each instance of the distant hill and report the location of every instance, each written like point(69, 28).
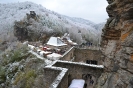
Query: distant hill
point(48, 21)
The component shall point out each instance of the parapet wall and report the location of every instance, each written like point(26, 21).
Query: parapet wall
point(61, 73)
point(76, 70)
point(50, 75)
point(68, 56)
point(64, 81)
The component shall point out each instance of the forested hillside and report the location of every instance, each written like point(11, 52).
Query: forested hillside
point(47, 22)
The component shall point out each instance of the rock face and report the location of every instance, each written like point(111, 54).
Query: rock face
point(30, 28)
point(117, 46)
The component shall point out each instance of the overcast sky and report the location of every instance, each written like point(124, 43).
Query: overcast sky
point(93, 10)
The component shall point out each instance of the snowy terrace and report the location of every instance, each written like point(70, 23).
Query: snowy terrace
point(47, 52)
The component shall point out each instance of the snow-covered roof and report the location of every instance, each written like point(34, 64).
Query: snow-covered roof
point(54, 56)
point(73, 43)
point(55, 41)
point(77, 83)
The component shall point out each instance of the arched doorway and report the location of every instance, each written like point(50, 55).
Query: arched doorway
point(90, 80)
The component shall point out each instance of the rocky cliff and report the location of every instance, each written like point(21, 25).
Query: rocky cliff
point(117, 46)
point(30, 28)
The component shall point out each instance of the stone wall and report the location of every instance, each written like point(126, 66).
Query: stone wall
point(60, 73)
point(81, 55)
point(68, 55)
point(64, 81)
point(50, 75)
point(76, 70)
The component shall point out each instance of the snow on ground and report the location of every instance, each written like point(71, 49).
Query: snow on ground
point(54, 56)
point(47, 62)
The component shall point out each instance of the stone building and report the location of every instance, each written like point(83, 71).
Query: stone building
point(61, 72)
